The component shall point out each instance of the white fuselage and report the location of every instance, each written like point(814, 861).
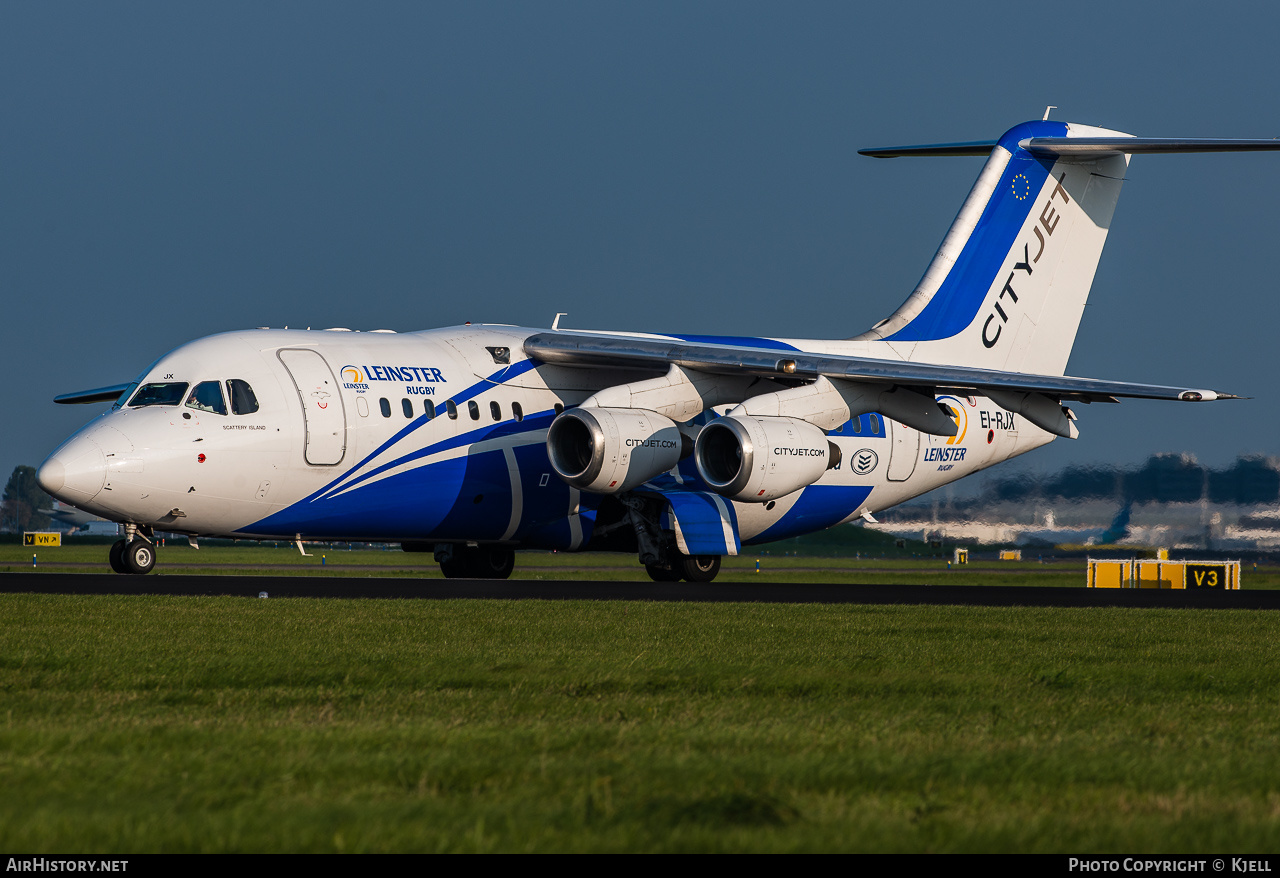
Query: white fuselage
point(340, 445)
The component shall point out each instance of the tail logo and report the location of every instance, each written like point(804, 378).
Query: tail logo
point(1021, 187)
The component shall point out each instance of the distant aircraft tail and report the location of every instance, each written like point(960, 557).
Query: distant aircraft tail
point(1008, 286)
point(1119, 528)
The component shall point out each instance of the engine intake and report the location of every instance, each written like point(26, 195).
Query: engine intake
point(608, 450)
point(760, 459)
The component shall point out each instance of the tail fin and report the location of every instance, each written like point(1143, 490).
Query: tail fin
point(1008, 286)
point(1119, 528)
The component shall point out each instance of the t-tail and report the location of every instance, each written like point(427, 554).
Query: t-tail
point(1007, 288)
point(1119, 528)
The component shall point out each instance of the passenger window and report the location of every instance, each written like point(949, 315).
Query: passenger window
point(430, 408)
point(559, 409)
point(207, 397)
point(159, 394)
point(407, 407)
point(474, 410)
point(517, 411)
point(385, 406)
point(452, 409)
point(495, 410)
point(875, 424)
point(857, 424)
point(243, 400)
point(362, 406)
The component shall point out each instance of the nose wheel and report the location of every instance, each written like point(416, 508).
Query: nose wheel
point(117, 557)
point(136, 556)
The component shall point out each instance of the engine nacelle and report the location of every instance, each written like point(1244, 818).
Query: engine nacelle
point(608, 450)
point(756, 460)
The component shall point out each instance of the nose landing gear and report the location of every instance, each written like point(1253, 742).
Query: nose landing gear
point(134, 554)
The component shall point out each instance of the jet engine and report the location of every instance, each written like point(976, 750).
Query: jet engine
point(759, 459)
point(610, 450)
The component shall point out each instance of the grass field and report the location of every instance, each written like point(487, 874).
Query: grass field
point(131, 724)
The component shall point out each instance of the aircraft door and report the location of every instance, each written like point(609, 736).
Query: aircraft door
point(906, 449)
point(325, 419)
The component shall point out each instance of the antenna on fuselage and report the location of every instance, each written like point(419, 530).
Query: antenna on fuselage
point(555, 324)
point(1045, 118)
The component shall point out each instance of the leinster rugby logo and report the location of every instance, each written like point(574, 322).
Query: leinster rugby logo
point(864, 461)
point(353, 379)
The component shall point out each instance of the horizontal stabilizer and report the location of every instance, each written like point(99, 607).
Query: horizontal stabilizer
point(1091, 147)
point(1081, 147)
point(975, 147)
point(100, 394)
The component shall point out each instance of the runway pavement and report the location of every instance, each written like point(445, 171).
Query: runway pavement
point(716, 592)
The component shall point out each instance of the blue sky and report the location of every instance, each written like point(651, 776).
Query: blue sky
point(172, 170)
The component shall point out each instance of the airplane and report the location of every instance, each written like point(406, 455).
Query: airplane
point(77, 521)
point(1055, 536)
point(473, 441)
point(996, 529)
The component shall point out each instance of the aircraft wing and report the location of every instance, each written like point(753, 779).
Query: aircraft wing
point(567, 348)
point(98, 394)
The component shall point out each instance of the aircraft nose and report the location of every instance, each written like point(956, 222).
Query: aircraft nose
point(52, 475)
point(75, 472)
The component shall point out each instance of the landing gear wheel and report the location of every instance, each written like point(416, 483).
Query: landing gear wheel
point(659, 573)
point(698, 568)
point(492, 562)
point(479, 562)
point(456, 567)
point(116, 557)
point(139, 556)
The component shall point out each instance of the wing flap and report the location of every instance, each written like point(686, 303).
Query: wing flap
point(612, 351)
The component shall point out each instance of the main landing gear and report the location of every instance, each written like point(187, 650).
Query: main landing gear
point(658, 553)
point(134, 554)
point(475, 562)
point(690, 568)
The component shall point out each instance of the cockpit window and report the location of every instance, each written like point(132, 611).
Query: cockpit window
point(207, 397)
point(165, 393)
point(243, 401)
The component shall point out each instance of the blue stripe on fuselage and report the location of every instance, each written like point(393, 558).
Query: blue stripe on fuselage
point(299, 517)
point(818, 507)
point(421, 421)
point(530, 424)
